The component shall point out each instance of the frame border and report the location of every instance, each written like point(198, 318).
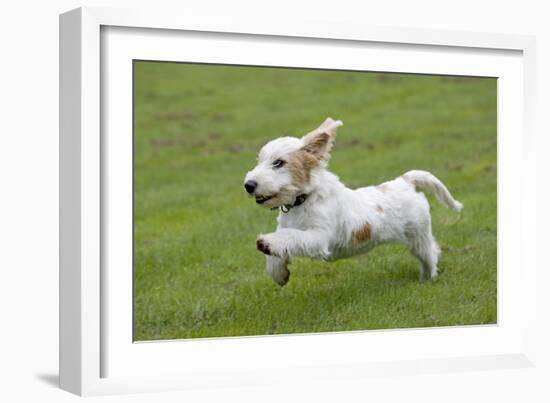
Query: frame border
point(80, 307)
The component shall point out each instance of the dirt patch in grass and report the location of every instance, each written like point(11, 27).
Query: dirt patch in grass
point(177, 115)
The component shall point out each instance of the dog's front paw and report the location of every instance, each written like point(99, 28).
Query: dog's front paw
point(263, 246)
point(268, 244)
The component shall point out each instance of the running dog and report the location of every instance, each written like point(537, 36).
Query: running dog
point(322, 218)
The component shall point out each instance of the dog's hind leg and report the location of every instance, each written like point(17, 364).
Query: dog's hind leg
point(278, 269)
point(425, 248)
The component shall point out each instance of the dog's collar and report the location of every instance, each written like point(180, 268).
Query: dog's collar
point(300, 199)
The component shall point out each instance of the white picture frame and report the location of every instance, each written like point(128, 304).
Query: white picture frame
point(96, 355)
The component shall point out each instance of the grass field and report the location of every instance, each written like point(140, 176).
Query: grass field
point(197, 132)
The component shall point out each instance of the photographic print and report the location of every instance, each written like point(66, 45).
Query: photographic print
point(272, 201)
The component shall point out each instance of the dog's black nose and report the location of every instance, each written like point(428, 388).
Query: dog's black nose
point(250, 186)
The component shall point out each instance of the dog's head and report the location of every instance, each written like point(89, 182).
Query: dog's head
point(285, 165)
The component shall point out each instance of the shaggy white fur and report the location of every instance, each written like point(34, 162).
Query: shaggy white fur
point(321, 218)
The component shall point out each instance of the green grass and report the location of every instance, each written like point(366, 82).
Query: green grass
point(198, 129)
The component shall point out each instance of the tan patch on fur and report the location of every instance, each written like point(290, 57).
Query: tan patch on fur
point(379, 208)
point(300, 165)
point(383, 187)
point(362, 234)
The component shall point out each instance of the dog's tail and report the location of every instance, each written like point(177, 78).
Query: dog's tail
point(428, 182)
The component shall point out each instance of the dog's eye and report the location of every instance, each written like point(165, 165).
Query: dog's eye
point(278, 163)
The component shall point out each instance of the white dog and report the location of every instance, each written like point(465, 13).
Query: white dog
point(321, 218)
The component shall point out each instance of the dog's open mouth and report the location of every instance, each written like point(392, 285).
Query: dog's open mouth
point(263, 199)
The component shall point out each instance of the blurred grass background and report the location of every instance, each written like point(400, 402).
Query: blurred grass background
point(198, 129)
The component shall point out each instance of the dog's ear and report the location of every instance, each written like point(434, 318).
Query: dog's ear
point(319, 141)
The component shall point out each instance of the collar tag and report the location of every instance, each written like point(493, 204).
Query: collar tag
point(299, 200)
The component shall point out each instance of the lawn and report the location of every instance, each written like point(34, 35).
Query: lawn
point(198, 129)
